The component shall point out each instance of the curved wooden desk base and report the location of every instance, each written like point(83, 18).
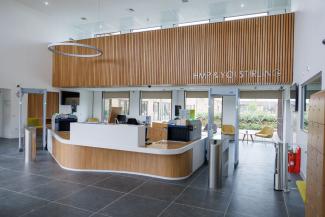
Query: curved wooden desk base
point(76, 157)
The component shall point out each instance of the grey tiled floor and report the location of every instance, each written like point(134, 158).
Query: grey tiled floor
point(44, 189)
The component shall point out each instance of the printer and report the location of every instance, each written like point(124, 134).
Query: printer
point(62, 121)
point(184, 130)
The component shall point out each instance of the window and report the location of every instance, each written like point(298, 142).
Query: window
point(146, 29)
point(115, 99)
point(199, 101)
point(157, 104)
point(246, 16)
point(193, 23)
point(312, 86)
point(259, 109)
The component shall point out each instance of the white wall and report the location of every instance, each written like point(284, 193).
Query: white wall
point(98, 100)
point(178, 98)
point(84, 109)
point(25, 60)
point(134, 103)
point(229, 110)
point(309, 53)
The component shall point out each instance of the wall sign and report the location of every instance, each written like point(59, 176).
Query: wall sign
point(249, 74)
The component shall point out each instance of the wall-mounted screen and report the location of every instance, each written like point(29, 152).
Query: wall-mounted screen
point(70, 98)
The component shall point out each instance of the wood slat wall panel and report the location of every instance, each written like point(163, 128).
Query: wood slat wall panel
point(173, 56)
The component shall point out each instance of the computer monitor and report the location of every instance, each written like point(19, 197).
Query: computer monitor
point(122, 119)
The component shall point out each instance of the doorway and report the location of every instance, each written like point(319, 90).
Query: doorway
point(229, 127)
point(35, 112)
point(260, 113)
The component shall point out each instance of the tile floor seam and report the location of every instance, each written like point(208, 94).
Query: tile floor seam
point(68, 205)
point(198, 207)
point(85, 186)
point(148, 197)
point(244, 215)
point(171, 203)
point(285, 204)
point(46, 200)
point(228, 205)
point(122, 196)
point(49, 184)
point(28, 189)
point(27, 195)
point(35, 174)
point(250, 197)
point(102, 188)
point(30, 211)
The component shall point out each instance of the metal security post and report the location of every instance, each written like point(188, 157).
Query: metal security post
point(44, 120)
point(30, 144)
point(215, 165)
point(278, 173)
point(20, 95)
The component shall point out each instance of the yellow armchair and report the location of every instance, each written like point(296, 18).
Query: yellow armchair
point(266, 132)
point(34, 122)
point(228, 130)
point(92, 120)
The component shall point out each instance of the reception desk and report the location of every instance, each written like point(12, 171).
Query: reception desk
point(95, 147)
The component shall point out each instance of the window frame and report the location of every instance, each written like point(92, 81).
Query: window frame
point(303, 94)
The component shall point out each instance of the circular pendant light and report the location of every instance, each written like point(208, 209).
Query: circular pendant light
point(52, 47)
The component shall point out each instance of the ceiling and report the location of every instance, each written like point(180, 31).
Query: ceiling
point(115, 15)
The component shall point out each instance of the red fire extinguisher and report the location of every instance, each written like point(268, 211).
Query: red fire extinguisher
point(297, 161)
point(291, 162)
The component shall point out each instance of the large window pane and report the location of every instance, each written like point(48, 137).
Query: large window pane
point(115, 99)
point(199, 101)
point(258, 113)
point(157, 104)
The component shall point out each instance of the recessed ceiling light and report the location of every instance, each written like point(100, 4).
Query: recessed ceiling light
point(100, 26)
point(146, 29)
point(246, 16)
point(83, 18)
point(46, 3)
point(242, 5)
point(193, 23)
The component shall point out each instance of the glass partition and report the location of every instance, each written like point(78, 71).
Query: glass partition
point(157, 104)
point(115, 99)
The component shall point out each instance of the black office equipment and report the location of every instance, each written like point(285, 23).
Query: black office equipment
point(179, 133)
point(177, 108)
point(122, 119)
point(62, 122)
point(132, 121)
